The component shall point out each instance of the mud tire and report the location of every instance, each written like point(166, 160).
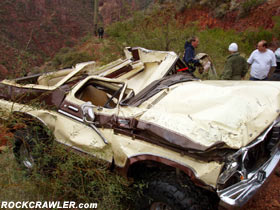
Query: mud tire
point(31, 144)
point(167, 192)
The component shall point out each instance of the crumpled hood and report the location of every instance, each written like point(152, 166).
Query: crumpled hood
point(207, 113)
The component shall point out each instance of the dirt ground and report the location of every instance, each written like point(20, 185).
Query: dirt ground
point(269, 197)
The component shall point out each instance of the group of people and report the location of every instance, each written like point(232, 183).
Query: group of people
point(264, 63)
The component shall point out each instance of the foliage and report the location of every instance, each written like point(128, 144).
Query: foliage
point(215, 43)
point(85, 179)
point(68, 57)
point(253, 37)
point(276, 28)
point(144, 31)
point(62, 175)
point(86, 38)
point(248, 5)
point(158, 33)
point(154, 31)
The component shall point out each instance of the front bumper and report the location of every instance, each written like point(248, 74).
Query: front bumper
point(238, 194)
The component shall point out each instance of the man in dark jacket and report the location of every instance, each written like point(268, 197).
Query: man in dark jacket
point(100, 32)
point(236, 66)
point(189, 55)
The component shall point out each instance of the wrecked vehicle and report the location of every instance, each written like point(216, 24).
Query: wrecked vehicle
point(208, 141)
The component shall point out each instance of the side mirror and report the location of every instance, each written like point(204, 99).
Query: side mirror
point(88, 113)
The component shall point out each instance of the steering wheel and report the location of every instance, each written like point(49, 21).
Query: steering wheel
point(107, 104)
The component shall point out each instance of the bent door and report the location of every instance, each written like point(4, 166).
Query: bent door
point(102, 96)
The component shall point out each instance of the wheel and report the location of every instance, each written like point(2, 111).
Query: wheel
point(168, 193)
point(31, 143)
point(23, 154)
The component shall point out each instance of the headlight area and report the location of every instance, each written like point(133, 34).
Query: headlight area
point(247, 169)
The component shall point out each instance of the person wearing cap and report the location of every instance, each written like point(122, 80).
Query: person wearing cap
point(262, 62)
point(189, 55)
point(236, 66)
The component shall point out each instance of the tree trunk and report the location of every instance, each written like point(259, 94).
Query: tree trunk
point(95, 17)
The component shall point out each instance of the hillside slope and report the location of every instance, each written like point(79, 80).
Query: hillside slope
point(233, 15)
point(33, 31)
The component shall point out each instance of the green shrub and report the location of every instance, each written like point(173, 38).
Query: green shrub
point(84, 179)
point(152, 29)
point(253, 37)
point(86, 38)
point(68, 57)
point(248, 5)
point(71, 177)
point(276, 28)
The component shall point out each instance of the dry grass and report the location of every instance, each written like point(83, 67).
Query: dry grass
point(16, 185)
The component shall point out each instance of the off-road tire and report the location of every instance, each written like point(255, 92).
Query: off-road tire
point(31, 144)
point(170, 193)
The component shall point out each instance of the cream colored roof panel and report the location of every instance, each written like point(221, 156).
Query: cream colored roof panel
point(211, 111)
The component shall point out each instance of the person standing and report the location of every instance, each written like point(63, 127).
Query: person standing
point(100, 32)
point(277, 55)
point(276, 74)
point(189, 55)
point(236, 66)
point(262, 62)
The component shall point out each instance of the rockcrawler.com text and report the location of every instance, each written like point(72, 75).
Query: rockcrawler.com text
point(46, 205)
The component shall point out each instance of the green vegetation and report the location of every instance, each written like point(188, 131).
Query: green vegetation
point(59, 173)
point(67, 57)
point(63, 176)
point(80, 178)
point(248, 5)
point(156, 30)
point(161, 33)
point(276, 28)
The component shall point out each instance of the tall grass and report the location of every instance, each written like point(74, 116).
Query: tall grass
point(16, 185)
point(74, 178)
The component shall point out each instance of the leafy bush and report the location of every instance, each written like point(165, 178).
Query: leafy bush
point(68, 57)
point(155, 31)
point(253, 37)
point(84, 179)
point(276, 28)
point(166, 34)
point(71, 177)
point(248, 5)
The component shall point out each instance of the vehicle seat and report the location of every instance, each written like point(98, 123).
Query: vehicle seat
point(95, 96)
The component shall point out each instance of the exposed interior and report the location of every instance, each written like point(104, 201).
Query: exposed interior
point(101, 93)
point(53, 78)
point(138, 69)
point(141, 67)
point(45, 79)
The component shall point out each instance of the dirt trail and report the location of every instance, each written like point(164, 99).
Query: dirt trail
point(269, 197)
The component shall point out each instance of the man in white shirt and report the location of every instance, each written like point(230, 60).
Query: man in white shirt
point(262, 62)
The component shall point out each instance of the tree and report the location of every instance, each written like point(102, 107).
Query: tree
point(95, 16)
